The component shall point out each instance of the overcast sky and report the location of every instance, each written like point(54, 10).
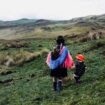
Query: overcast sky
point(50, 9)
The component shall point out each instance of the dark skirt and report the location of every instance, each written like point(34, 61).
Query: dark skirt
point(59, 72)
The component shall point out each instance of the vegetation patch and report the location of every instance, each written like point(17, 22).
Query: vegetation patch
point(18, 58)
point(95, 45)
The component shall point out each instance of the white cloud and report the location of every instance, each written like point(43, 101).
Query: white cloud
point(50, 9)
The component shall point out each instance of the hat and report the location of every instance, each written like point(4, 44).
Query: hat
point(80, 57)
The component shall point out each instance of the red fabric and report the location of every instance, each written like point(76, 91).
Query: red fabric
point(68, 62)
point(48, 59)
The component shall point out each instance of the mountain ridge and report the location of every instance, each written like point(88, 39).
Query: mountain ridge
point(43, 28)
point(26, 21)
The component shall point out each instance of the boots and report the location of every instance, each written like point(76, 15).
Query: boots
point(59, 86)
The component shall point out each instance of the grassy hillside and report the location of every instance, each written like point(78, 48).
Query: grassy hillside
point(30, 83)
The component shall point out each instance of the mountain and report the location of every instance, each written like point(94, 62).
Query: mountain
point(20, 22)
point(48, 28)
point(25, 22)
point(99, 19)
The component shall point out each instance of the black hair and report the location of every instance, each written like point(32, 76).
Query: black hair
point(55, 53)
point(60, 40)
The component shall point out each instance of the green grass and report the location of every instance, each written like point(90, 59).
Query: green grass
point(32, 85)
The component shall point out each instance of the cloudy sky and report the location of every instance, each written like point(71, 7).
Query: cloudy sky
point(50, 9)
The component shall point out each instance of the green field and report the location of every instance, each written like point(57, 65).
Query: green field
point(30, 83)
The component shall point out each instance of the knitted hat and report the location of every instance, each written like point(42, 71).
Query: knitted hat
point(80, 57)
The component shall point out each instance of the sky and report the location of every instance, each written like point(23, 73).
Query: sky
point(50, 9)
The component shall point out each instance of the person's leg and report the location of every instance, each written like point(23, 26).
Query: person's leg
point(80, 75)
point(54, 79)
point(77, 79)
point(59, 84)
point(63, 74)
point(62, 77)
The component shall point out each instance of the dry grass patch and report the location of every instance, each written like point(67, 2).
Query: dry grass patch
point(15, 44)
point(20, 57)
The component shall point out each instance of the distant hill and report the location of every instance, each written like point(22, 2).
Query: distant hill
point(29, 28)
point(23, 22)
point(98, 19)
point(19, 22)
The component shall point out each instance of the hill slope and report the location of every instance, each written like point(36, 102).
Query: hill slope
point(30, 84)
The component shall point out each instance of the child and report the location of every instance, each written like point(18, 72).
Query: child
point(79, 67)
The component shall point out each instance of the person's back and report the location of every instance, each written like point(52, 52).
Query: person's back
point(58, 61)
point(79, 67)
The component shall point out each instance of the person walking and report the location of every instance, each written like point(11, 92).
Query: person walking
point(59, 60)
point(79, 67)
